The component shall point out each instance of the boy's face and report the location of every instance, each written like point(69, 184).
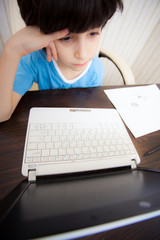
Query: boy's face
point(76, 50)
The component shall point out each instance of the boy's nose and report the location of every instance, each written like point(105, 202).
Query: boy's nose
point(81, 51)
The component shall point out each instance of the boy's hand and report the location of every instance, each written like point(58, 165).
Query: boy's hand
point(30, 39)
point(51, 52)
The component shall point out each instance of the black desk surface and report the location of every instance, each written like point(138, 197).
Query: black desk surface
point(12, 137)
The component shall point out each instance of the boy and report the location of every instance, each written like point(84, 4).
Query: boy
point(57, 49)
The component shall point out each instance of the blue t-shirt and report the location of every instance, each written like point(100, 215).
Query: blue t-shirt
point(35, 68)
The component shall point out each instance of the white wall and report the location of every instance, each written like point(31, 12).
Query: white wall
point(5, 29)
point(135, 36)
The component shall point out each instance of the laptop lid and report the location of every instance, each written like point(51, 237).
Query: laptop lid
point(71, 206)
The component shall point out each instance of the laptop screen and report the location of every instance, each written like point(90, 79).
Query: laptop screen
point(76, 203)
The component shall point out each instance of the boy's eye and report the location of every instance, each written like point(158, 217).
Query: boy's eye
point(92, 34)
point(65, 39)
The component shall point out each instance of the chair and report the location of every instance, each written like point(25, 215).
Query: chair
point(124, 73)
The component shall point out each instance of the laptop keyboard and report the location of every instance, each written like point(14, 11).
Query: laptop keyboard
point(68, 142)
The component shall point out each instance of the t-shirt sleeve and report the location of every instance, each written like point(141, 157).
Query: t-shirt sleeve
point(25, 75)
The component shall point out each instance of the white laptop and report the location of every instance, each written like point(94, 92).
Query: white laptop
point(69, 140)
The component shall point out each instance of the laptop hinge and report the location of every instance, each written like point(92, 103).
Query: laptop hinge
point(133, 164)
point(31, 175)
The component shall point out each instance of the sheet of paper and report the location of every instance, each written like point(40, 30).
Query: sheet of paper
point(139, 107)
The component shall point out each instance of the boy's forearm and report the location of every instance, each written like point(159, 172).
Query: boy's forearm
point(25, 41)
point(9, 61)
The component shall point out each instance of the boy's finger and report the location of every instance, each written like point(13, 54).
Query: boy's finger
point(53, 51)
point(47, 38)
point(49, 54)
point(57, 35)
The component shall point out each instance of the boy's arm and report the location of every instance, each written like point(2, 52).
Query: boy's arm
point(25, 41)
point(8, 99)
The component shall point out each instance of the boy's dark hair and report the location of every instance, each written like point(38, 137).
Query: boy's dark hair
point(76, 15)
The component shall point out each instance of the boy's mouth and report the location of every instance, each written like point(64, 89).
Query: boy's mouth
point(80, 64)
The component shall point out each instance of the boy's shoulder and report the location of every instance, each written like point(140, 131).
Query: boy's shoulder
point(36, 58)
point(37, 55)
point(95, 74)
point(97, 65)
point(97, 62)
point(40, 54)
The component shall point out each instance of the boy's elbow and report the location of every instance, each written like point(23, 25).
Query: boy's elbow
point(5, 116)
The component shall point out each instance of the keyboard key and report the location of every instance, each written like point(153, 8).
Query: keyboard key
point(47, 139)
point(33, 153)
point(32, 146)
point(48, 126)
point(62, 151)
point(70, 151)
point(35, 139)
point(33, 126)
point(59, 158)
point(41, 145)
point(45, 152)
point(49, 145)
point(53, 152)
